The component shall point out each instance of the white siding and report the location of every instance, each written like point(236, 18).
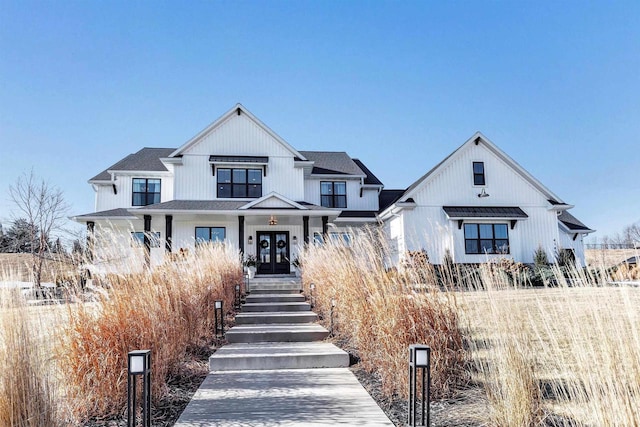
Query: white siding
point(368, 201)
point(239, 135)
point(427, 226)
point(106, 199)
point(567, 242)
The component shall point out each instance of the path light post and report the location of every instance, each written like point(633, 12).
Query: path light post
point(419, 359)
point(218, 319)
point(333, 306)
point(311, 288)
point(246, 283)
point(237, 297)
point(139, 364)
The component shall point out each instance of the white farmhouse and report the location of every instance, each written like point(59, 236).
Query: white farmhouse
point(478, 204)
point(237, 181)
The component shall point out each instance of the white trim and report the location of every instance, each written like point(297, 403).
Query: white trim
point(223, 119)
point(275, 195)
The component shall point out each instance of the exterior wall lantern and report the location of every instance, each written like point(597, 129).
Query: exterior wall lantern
point(218, 319)
point(419, 359)
point(295, 240)
point(250, 240)
point(139, 364)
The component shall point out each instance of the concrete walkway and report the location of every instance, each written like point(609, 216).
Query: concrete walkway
point(277, 372)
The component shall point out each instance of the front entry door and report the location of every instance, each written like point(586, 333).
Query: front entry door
point(273, 252)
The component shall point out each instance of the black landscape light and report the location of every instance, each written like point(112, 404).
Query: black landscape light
point(139, 364)
point(311, 288)
point(218, 319)
point(333, 306)
point(237, 297)
point(419, 359)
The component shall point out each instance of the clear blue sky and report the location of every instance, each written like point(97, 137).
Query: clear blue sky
point(398, 84)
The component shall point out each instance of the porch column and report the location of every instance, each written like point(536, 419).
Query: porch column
point(325, 225)
point(147, 240)
point(90, 239)
point(241, 233)
point(305, 228)
point(168, 232)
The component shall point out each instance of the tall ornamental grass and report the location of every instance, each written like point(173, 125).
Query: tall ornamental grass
point(379, 312)
point(564, 355)
point(168, 310)
point(29, 390)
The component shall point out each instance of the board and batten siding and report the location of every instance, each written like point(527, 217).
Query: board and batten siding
point(106, 199)
point(368, 201)
point(195, 181)
point(427, 226)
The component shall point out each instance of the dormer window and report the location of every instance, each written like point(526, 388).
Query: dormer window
point(239, 183)
point(478, 173)
point(145, 191)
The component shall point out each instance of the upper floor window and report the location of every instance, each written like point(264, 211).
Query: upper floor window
point(478, 173)
point(486, 239)
point(210, 234)
point(240, 183)
point(145, 191)
point(333, 194)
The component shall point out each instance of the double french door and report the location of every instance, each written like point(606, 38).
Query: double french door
point(273, 252)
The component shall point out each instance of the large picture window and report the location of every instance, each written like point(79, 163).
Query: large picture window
point(145, 191)
point(239, 183)
point(486, 239)
point(333, 194)
point(210, 234)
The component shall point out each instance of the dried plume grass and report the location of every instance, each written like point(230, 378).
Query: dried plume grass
point(380, 312)
point(168, 310)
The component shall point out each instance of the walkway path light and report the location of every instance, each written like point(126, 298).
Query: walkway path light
point(333, 306)
point(237, 297)
point(139, 364)
point(419, 359)
point(311, 288)
point(218, 319)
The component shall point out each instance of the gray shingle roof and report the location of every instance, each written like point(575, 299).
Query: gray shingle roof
point(389, 197)
point(572, 222)
point(484, 212)
point(196, 205)
point(371, 179)
point(111, 213)
point(147, 159)
point(332, 163)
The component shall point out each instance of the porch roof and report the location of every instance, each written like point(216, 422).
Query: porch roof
point(111, 214)
point(231, 207)
point(502, 212)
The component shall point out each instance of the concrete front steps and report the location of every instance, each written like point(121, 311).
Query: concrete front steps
point(278, 355)
point(276, 330)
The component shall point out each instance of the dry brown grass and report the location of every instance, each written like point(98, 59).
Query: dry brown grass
point(378, 314)
point(76, 362)
point(18, 267)
point(572, 351)
point(167, 311)
point(29, 392)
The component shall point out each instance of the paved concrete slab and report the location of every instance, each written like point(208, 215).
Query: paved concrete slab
point(276, 333)
point(276, 317)
point(299, 397)
point(278, 355)
point(276, 306)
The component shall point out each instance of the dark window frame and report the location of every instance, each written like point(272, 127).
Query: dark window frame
point(148, 198)
point(333, 198)
point(201, 241)
point(478, 240)
point(246, 185)
point(479, 178)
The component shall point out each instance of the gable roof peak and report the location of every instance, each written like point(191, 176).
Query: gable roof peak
point(237, 109)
